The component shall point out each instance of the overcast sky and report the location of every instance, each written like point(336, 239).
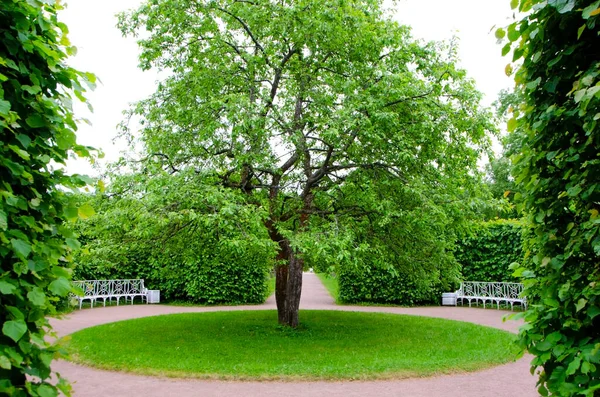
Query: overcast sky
point(103, 51)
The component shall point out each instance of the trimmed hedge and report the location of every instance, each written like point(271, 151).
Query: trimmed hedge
point(386, 286)
point(487, 255)
point(219, 257)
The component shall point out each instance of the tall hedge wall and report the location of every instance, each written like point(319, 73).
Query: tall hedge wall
point(488, 253)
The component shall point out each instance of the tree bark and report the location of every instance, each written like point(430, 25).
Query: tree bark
point(294, 291)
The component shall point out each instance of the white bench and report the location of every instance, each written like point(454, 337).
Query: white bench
point(94, 290)
point(510, 293)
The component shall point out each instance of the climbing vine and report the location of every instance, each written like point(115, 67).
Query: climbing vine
point(37, 130)
point(558, 168)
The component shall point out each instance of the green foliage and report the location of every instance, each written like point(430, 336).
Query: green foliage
point(557, 171)
point(37, 132)
point(195, 243)
point(487, 254)
point(386, 286)
point(282, 101)
point(332, 345)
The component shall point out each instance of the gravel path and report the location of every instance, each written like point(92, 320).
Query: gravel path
point(509, 380)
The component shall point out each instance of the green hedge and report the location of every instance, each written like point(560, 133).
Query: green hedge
point(487, 255)
point(198, 254)
point(384, 285)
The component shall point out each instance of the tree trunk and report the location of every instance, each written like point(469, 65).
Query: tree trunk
point(294, 291)
point(281, 277)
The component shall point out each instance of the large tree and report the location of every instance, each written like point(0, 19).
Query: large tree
point(283, 100)
point(557, 170)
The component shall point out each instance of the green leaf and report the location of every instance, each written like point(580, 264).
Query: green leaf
point(511, 125)
point(24, 139)
point(5, 362)
point(580, 31)
point(22, 248)
point(580, 304)
point(573, 366)
point(86, 211)
point(73, 243)
point(14, 329)
point(513, 33)
point(60, 286)
point(3, 220)
point(7, 288)
point(4, 107)
point(47, 391)
point(500, 33)
point(593, 311)
point(514, 4)
point(35, 121)
point(590, 11)
point(37, 297)
point(574, 191)
point(71, 213)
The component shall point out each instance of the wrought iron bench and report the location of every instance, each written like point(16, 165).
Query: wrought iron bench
point(94, 290)
point(510, 293)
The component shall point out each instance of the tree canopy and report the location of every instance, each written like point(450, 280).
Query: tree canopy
point(284, 101)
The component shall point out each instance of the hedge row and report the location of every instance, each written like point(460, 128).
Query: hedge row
point(488, 253)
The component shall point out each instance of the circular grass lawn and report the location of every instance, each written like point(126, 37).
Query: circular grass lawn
point(327, 345)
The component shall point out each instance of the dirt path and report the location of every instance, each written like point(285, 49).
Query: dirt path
point(510, 380)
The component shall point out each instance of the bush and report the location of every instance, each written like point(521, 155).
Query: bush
point(488, 253)
point(386, 286)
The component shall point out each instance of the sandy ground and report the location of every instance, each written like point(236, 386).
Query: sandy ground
point(510, 380)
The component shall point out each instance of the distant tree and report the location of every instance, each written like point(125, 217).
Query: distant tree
point(557, 170)
point(37, 131)
point(284, 100)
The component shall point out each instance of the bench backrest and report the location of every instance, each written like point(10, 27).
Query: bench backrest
point(110, 287)
point(493, 290)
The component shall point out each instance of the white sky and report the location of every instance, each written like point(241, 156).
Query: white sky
point(103, 51)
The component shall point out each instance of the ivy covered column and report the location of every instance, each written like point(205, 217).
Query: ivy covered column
point(558, 170)
point(37, 133)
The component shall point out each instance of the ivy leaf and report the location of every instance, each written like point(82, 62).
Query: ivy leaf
point(22, 248)
point(14, 329)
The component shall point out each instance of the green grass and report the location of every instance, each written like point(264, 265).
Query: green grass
point(331, 283)
point(327, 345)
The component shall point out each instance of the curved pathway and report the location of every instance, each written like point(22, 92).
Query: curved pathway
point(509, 380)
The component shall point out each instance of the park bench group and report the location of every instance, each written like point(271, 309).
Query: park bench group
point(471, 291)
point(492, 293)
point(94, 290)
